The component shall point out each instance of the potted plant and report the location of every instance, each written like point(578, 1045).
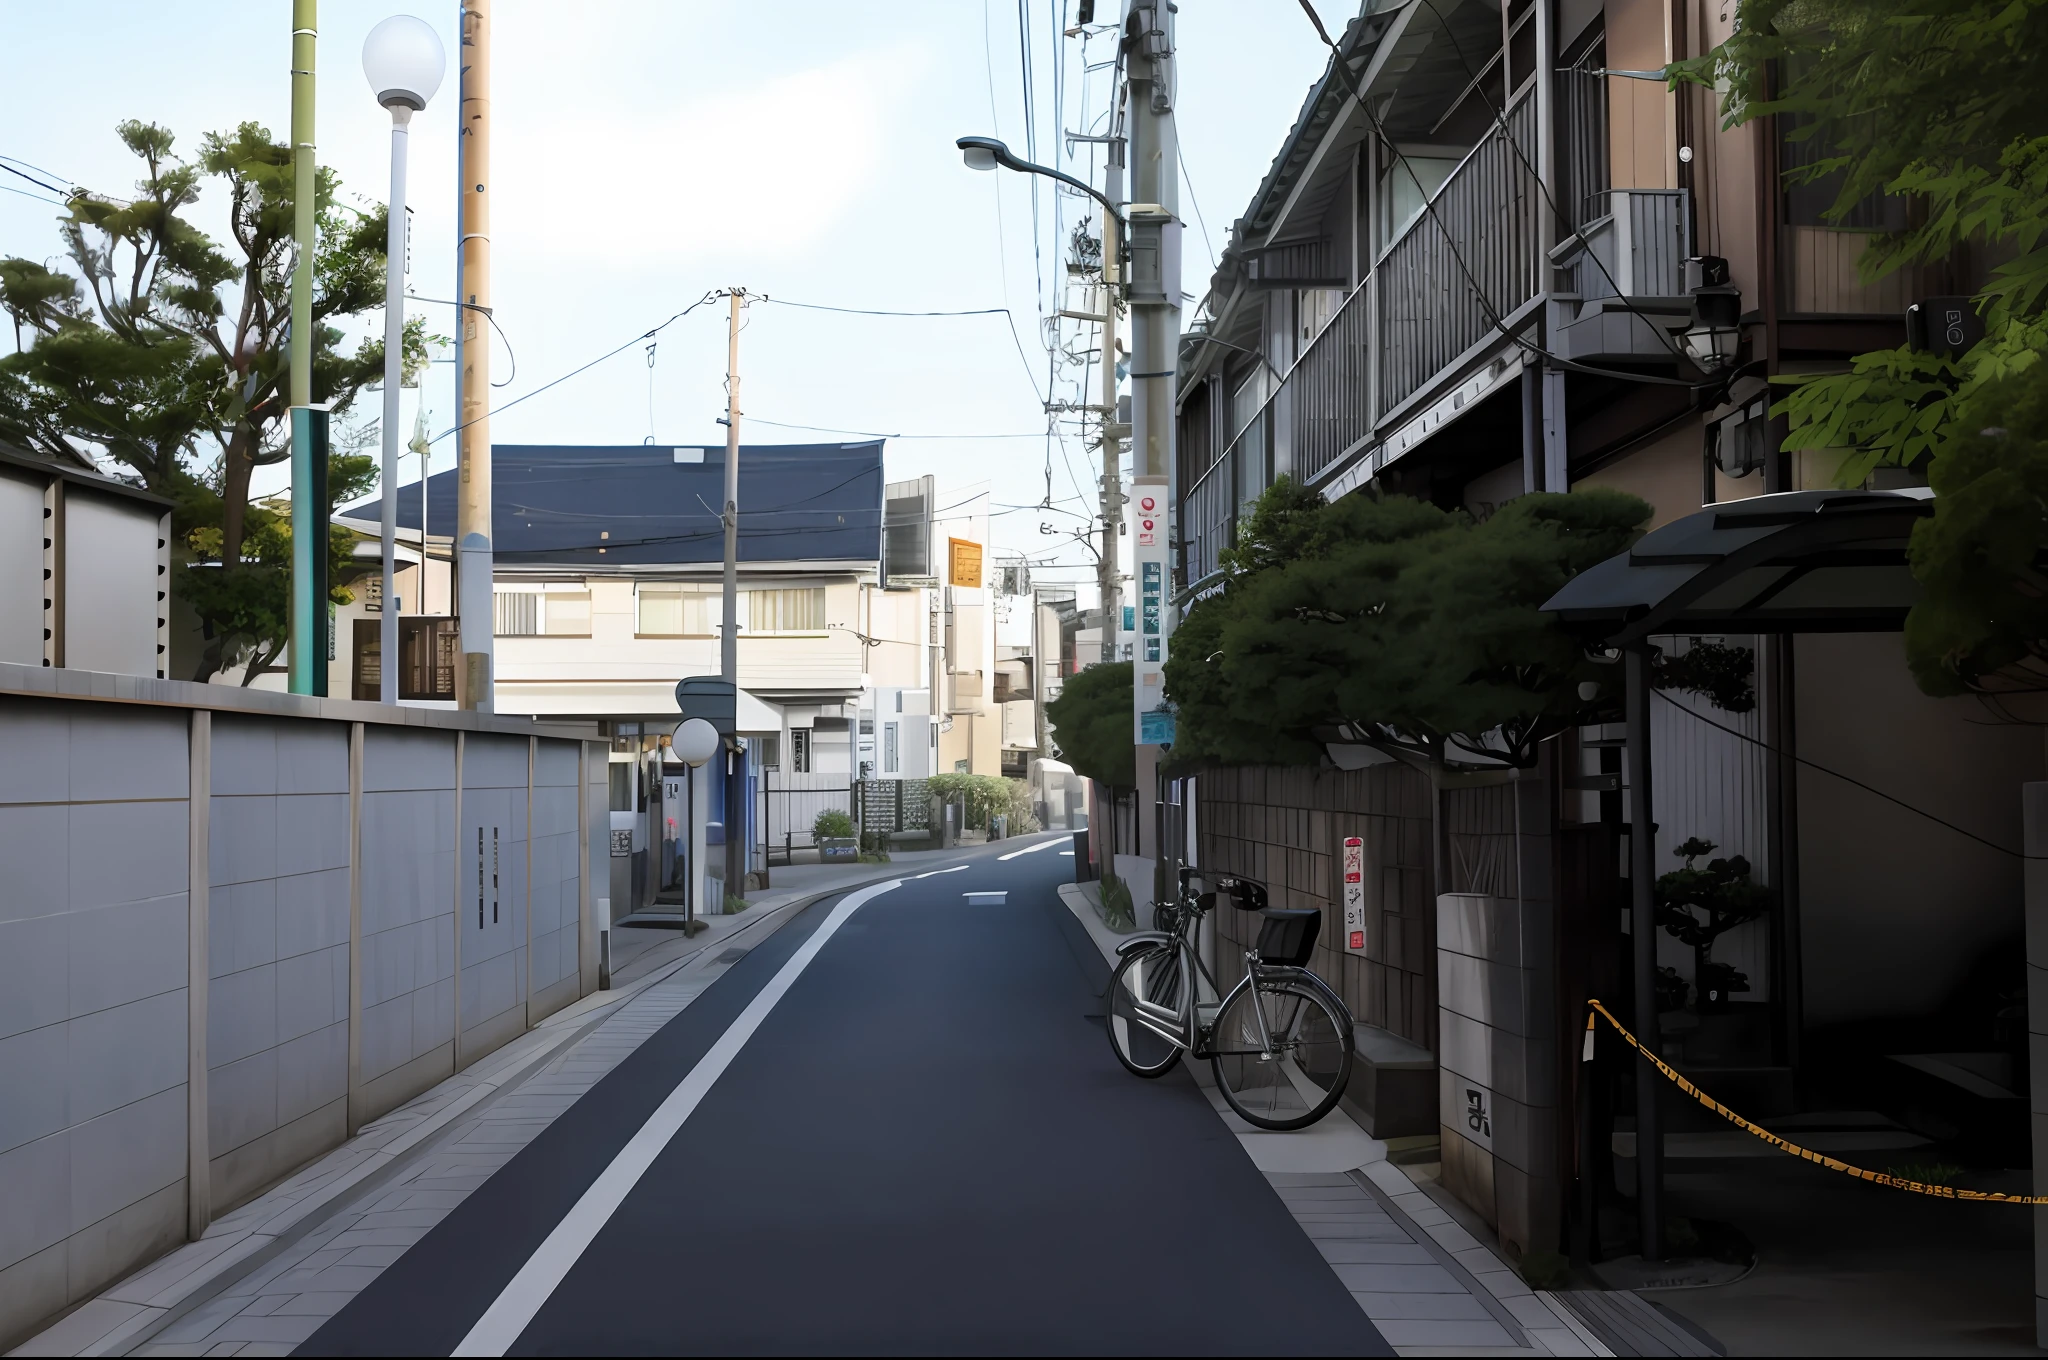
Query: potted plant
point(1697, 906)
point(832, 833)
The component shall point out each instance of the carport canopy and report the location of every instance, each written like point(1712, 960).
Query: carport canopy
point(1794, 562)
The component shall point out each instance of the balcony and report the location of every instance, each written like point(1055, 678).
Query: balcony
point(1442, 288)
point(1621, 272)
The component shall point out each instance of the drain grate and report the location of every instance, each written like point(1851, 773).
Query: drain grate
point(733, 955)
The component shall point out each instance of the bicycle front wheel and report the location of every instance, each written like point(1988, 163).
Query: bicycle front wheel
point(1145, 982)
point(1290, 1071)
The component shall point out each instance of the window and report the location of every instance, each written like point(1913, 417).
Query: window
point(678, 611)
point(786, 611)
point(532, 613)
point(769, 744)
point(899, 701)
point(889, 748)
point(518, 613)
point(565, 613)
point(800, 750)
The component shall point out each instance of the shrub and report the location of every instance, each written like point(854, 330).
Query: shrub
point(832, 824)
point(1118, 909)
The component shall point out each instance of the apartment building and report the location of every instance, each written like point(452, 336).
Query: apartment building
point(1522, 263)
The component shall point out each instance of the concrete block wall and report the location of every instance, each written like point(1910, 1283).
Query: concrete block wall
point(406, 1033)
point(1498, 1064)
point(93, 999)
point(277, 948)
point(231, 932)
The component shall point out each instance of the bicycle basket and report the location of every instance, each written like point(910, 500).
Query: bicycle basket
point(1287, 936)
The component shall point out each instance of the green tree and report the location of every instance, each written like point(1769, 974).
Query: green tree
point(163, 356)
point(1937, 100)
point(1406, 627)
point(1092, 723)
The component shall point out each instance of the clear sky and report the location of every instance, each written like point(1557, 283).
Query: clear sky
point(647, 151)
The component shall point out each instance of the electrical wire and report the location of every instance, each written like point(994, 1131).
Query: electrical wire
point(485, 312)
point(581, 368)
point(30, 193)
point(1846, 779)
point(38, 183)
point(881, 434)
point(1188, 181)
point(1340, 65)
point(1500, 119)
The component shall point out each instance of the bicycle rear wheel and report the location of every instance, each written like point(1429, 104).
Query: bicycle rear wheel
point(1297, 1079)
point(1150, 975)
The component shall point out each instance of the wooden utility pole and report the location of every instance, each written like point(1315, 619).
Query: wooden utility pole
point(729, 630)
point(473, 420)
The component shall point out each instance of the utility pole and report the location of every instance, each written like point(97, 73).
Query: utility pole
point(473, 410)
point(1154, 216)
point(307, 659)
point(1112, 447)
point(729, 629)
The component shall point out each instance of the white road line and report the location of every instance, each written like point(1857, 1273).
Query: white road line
point(934, 873)
point(1033, 849)
point(515, 1307)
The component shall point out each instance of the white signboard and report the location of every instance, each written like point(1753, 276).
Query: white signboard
point(1354, 895)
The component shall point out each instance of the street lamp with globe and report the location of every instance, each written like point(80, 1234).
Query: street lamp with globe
point(695, 742)
point(404, 62)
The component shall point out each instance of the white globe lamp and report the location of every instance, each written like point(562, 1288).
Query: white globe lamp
point(404, 61)
point(695, 741)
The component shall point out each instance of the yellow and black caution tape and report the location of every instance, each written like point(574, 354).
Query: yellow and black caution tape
point(1874, 1177)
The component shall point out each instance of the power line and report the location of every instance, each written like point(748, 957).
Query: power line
point(29, 193)
point(1846, 779)
point(881, 434)
point(33, 180)
point(644, 335)
point(1340, 66)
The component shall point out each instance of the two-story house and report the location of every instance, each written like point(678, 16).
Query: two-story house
point(1520, 262)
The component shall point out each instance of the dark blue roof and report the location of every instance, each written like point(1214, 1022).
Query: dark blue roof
point(562, 502)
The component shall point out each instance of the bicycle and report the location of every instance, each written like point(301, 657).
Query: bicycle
point(1279, 1042)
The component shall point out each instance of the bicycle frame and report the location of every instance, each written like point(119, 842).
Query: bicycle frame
point(1180, 1024)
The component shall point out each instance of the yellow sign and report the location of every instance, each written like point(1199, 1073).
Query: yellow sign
point(963, 564)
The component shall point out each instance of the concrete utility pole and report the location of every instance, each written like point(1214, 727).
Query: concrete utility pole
point(729, 629)
point(307, 657)
point(1112, 447)
point(1154, 217)
point(473, 407)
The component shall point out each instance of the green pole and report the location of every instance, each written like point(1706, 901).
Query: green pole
point(308, 653)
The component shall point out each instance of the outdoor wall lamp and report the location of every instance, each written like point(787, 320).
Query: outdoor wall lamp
point(1716, 331)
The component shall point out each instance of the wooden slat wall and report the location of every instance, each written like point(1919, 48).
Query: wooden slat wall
point(1283, 827)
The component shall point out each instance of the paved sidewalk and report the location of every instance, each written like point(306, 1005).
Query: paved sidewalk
point(1429, 1286)
point(265, 1276)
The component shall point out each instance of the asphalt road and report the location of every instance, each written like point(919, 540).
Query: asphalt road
point(894, 1127)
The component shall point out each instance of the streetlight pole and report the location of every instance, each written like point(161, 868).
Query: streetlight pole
point(986, 153)
point(306, 659)
point(404, 62)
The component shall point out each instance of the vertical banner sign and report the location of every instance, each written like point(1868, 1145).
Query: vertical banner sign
point(1154, 720)
point(1354, 895)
